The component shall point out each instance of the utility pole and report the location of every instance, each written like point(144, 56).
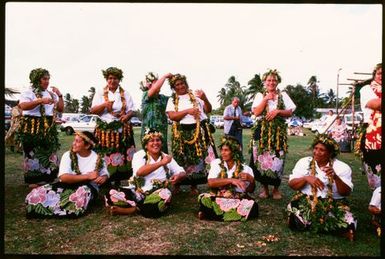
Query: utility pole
point(338, 84)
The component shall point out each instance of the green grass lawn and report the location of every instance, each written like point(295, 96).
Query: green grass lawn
point(180, 232)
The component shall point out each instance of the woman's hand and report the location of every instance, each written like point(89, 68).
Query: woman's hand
point(314, 182)
point(245, 177)
point(177, 178)
point(124, 118)
point(46, 100)
point(239, 183)
point(269, 96)
point(93, 175)
point(200, 94)
point(271, 115)
point(101, 179)
point(329, 171)
point(166, 159)
point(56, 90)
point(194, 112)
point(108, 105)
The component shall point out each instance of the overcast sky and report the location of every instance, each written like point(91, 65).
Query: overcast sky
point(206, 42)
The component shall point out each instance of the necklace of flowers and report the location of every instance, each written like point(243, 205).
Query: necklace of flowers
point(122, 98)
point(313, 204)
point(75, 163)
point(38, 92)
point(280, 106)
point(223, 174)
point(197, 129)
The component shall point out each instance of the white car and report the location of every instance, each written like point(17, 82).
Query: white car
point(219, 123)
point(85, 123)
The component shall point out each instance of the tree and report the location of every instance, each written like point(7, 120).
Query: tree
point(313, 87)
point(255, 85)
point(86, 104)
point(233, 89)
point(303, 99)
point(10, 92)
point(330, 98)
point(92, 93)
point(70, 105)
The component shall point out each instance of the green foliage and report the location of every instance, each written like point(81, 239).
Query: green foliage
point(162, 206)
point(217, 209)
point(71, 105)
point(40, 209)
point(207, 202)
point(231, 215)
point(152, 198)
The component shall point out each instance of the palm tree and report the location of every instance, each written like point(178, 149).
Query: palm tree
point(313, 87)
point(255, 86)
point(10, 92)
point(222, 96)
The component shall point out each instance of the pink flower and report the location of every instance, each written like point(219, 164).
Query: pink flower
point(117, 159)
point(378, 168)
point(210, 155)
point(79, 197)
point(227, 204)
point(277, 164)
point(244, 207)
point(52, 199)
point(116, 196)
point(53, 158)
point(265, 160)
point(255, 153)
point(130, 153)
point(165, 194)
point(107, 160)
point(37, 195)
point(349, 217)
point(31, 164)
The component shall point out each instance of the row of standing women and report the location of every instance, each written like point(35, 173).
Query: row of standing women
point(320, 179)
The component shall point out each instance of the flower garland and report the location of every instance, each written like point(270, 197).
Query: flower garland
point(75, 163)
point(223, 174)
point(175, 125)
point(149, 79)
point(122, 98)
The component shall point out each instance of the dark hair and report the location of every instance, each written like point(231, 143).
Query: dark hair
point(148, 135)
point(175, 78)
point(330, 144)
point(378, 66)
point(113, 71)
point(36, 74)
point(234, 145)
point(90, 136)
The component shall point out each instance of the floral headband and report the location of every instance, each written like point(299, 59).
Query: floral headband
point(87, 139)
point(330, 143)
point(272, 72)
point(149, 134)
point(36, 75)
point(234, 146)
point(175, 78)
point(149, 79)
point(113, 71)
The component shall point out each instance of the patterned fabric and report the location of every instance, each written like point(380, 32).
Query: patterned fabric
point(227, 209)
point(374, 129)
point(150, 204)
point(154, 115)
point(40, 143)
point(10, 137)
point(117, 147)
point(334, 217)
point(187, 155)
point(59, 200)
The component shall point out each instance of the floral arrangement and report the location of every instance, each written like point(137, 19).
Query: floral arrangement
point(36, 75)
point(148, 135)
point(149, 79)
point(75, 163)
point(175, 78)
point(330, 143)
point(113, 71)
point(272, 72)
point(122, 98)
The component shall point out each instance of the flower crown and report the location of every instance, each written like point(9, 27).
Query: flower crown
point(149, 79)
point(175, 78)
point(36, 74)
point(149, 134)
point(113, 71)
point(330, 143)
point(84, 137)
point(272, 72)
point(234, 146)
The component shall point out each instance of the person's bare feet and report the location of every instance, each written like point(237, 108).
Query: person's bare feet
point(264, 193)
point(277, 194)
point(201, 215)
point(114, 210)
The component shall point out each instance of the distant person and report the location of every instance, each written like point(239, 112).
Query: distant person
point(154, 106)
point(38, 131)
point(371, 139)
point(230, 181)
point(339, 130)
point(232, 116)
point(81, 173)
point(10, 137)
point(113, 130)
point(330, 118)
point(269, 138)
point(154, 172)
point(192, 141)
point(322, 183)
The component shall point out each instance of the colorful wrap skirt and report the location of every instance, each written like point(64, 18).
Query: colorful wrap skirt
point(59, 200)
point(194, 158)
point(328, 217)
point(227, 209)
point(116, 144)
point(39, 138)
point(151, 204)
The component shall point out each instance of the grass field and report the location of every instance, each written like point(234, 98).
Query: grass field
point(180, 232)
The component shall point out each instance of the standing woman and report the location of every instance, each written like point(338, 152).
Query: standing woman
point(114, 131)
point(37, 131)
point(370, 140)
point(192, 140)
point(269, 143)
point(154, 106)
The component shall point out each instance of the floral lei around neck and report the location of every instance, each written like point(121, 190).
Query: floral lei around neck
point(75, 163)
point(122, 98)
point(223, 174)
point(313, 202)
point(38, 92)
point(176, 132)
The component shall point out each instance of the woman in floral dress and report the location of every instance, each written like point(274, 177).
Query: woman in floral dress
point(322, 183)
point(154, 106)
point(81, 173)
point(230, 181)
point(269, 134)
point(37, 130)
point(113, 130)
point(149, 190)
point(192, 141)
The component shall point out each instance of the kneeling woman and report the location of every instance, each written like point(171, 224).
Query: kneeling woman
point(81, 172)
point(230, 180)
point(153, 172)
point(322, 182)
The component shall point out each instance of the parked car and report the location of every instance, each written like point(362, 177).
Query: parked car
point(7, 117)
point(66, 117)
point(247, 122)
point(358, 119)
point(136, 122)
point(219, 122)
point(213, 118)
point(85, 123)
point(295, 122)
